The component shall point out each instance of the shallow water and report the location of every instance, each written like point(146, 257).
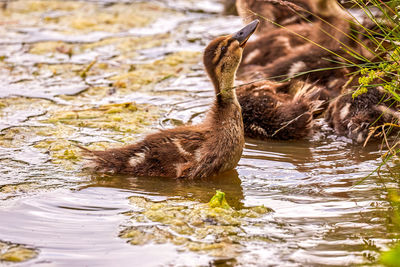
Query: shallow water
point(322, 215)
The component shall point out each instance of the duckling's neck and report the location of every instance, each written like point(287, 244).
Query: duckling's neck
point(226, 111)
point(225, 89)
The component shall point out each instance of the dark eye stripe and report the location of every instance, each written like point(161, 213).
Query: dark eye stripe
point(222, 54)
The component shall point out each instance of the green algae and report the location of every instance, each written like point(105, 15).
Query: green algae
point(20, 187)
point(115, 18)
point(129, 45)
point(215, 229)
point(23, 104)
point(122, 117)
point(127, 119)
point(16, 253)
point(219, 200)
point(143, 75)
point(53, 47)
point(85, 17)
point(122, 121)
point(21, 7)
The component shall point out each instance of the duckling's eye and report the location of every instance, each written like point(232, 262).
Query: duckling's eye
point(223, 49)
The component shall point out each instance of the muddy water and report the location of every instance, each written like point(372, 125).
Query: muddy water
point(52, 97)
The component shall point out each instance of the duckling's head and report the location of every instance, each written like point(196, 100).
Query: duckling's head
point(222, 58)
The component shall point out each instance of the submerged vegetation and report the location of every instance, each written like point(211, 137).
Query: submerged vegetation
point(214, 228)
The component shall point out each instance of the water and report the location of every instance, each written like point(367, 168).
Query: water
point(322, 215)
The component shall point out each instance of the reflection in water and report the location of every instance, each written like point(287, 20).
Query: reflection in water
point(80, 228)
point(328, 217)
point(197, 190)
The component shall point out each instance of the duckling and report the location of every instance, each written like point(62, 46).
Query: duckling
point(353, 117)
point(270, 114)
point(284, 46)
point(292, 59)
point(331, 75)
point(193, 151)
point(275, 11)
point(273, 45)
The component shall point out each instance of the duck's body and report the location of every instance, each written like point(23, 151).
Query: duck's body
point(353, 117)
point(270, 108)
point(321, 57)
point(275, 44)
point(198, 151)
point(282, 53)
point(331, 76)
point(269, 113)
point(186, 152)
point(273, 10)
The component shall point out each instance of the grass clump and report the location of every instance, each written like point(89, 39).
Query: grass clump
point(384, 72)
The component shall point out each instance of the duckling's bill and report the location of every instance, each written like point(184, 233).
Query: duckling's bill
point(244, 34)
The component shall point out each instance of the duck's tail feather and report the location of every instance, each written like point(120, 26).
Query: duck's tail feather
point(95, 161)
point(310, 93)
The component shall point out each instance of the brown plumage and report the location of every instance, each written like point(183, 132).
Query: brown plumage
point(196, 151)
point(273, 45)
point(271, 109)
point(273, 10)
point(269, 113)
point(331, 75)
point(333, 28)
point(282, 53)
point(353, 117)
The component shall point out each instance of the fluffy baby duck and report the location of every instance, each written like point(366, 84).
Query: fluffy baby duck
point(284, 47)
point(194, 151)
point(353, 117)
point(269, 113)
point(280, 54)
point(323, 68)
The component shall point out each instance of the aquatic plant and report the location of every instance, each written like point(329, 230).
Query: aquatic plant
point(213, 228)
